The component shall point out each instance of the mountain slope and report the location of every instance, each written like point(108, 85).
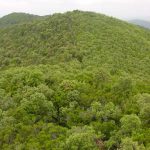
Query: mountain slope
point(82, 36)
point(78, 80)
point(16, 18)
point(141, 23)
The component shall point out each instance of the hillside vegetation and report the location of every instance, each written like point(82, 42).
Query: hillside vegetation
point(74, 81)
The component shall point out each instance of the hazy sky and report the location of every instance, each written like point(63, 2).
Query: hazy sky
point(124, 9)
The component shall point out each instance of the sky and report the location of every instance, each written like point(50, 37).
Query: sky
point(123, 9)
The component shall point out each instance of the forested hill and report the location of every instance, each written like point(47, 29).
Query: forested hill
point(78, 80)
point(16, 18)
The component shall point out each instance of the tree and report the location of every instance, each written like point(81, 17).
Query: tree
point(105, 112)
point(36, 106)
point(81, 138)
point(129, 144)
point(130, 123)
point(123, 90)
point(144, 108)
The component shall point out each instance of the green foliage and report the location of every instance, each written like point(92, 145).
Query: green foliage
point(128, 144)
point(77, 80)
point(81, 138)
point(144, 108)
point(130, 123)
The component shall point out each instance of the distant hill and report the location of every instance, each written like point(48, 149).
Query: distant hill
point(142, 23)
point(16, 18)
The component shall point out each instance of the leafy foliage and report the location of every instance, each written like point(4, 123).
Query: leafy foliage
point(78, 80)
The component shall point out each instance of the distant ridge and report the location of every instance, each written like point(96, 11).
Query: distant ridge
point(142, 23)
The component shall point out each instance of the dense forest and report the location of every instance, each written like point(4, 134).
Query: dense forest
point(74, 81)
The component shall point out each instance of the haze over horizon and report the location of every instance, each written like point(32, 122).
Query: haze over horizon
point(124, 9)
